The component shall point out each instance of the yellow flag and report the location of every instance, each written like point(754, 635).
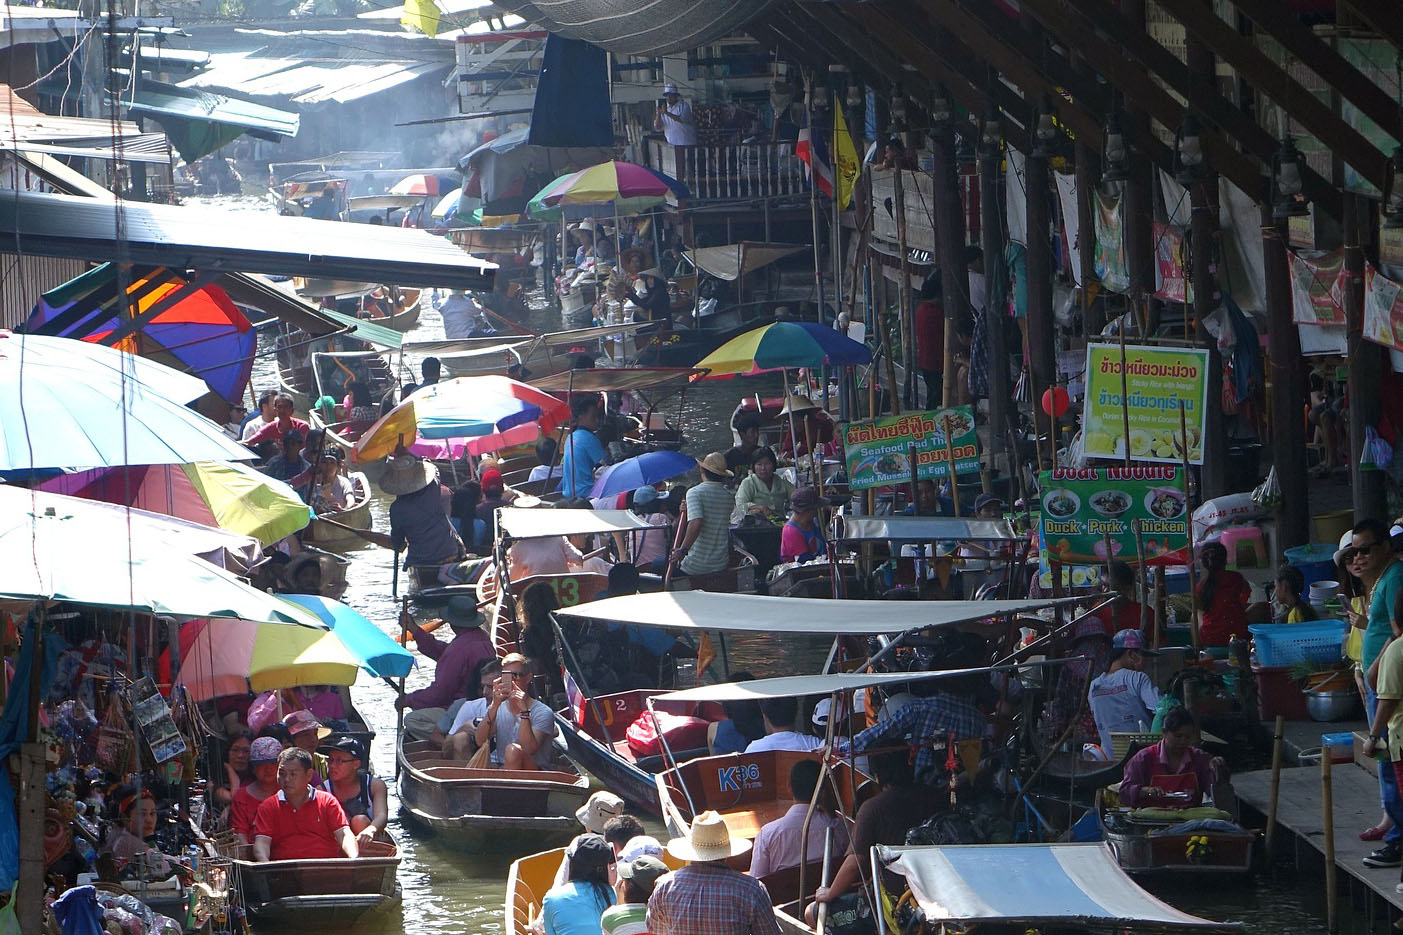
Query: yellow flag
point(421, 15)
point(706, 654)
point(845, 164)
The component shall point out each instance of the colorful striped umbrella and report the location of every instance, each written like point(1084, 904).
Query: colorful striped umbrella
point(780, 346)
point(230, 657)
point(378, 653)
point(225, 494)
point(625, 186)
point(469, 415)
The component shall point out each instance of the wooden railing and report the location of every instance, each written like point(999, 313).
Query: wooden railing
point(731, 172)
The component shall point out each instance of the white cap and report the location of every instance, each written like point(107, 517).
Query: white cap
point(822, 711)
point(643, 845)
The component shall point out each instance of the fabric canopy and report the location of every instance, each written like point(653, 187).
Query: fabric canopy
point(622, 26)
point(616, 380)
point(230, 657)
point(372, 646)
point(794, 686)
point(781, 345)
point(924, 528)
point(571, 106)
point(734, 260)
point(706, 610)
point(1030, 884)
point(536, 524)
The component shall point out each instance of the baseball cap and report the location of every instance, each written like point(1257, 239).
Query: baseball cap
point(645, 495)
point(264, 750)
point(822, 710)
point(345, 744)
point(805, 498)
point(643, 871)
point(298, 721)
point(492, 478)
point(1131, 639)
point(642, 845)
point(986, 499)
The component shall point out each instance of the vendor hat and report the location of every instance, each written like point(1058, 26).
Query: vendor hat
point(599, 809)
point(985, 499)
point(643, 871)
point(1131, 639)
point(298, 721)
point(798, 404)
point(264, 750)
point(645, 495)
point(805, 498)
point(406, 474)
point(715, 463)
point(707, 839)
point(669, 88)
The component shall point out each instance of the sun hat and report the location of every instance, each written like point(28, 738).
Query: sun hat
point(264, 750)
point(797, 404)
point(984, 499)
point(600, 808)
point(805, 498)
point(715, 463)
point(707, 839)
point(298, 721)
point(669, 88)
point(640, 845)
point(405, 474)
point(345, 744)
point(1131, 639)
point(645, 495)
point(643, 871)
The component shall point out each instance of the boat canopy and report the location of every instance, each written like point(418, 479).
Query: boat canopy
point(487, 350)
point(734, 260)
point(923, 528)
point(793, 686)
point(708, 610)
point(617, 380)
point(558, 339)
point(382, 202)
point(520, 523)
point(366, 330)
point(1031, 884)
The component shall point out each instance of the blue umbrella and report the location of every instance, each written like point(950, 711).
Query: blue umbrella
point(371, 646)
point(651, 468)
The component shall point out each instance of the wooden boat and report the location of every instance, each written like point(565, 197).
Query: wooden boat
point(356, 515)
point(497, 810)
point(407, 318)
point(1146, 846)
point(543, 354)
point(529, 879)
point(326, 892)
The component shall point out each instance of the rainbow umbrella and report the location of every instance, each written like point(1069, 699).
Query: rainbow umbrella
point(231, 657)
point(377, 652)
point(780, 346)
point(468, 415)
point(626, 186)
point(419, 184)
point(228, 495)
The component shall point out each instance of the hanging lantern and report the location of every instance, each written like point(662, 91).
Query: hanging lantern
point(991, 136)
point(1189, 167)
point(1287, 201)
point(940, 109)
point(1056, 401)
point(1044, 134)
point(818, 97)
point(1115, 156)
point(898, 109)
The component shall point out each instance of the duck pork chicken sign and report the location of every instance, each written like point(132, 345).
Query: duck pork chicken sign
point(1088, 510)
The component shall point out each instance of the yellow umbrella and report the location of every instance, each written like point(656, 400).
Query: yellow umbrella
point(230, 657)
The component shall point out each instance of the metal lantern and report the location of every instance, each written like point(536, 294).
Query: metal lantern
point(818, 97)
point(1189, 166)
point(1044, 135)
point(1115, 156)
point(1286, 182)
point(940, 110)
point(991, 136)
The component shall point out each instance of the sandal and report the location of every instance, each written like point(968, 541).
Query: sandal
point(1372, 834)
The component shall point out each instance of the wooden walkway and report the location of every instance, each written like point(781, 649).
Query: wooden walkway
point(1299, 814)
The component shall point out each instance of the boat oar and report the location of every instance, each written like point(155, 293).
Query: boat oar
point(399, 708)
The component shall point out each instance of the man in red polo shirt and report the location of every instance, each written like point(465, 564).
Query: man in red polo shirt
point(300, 822)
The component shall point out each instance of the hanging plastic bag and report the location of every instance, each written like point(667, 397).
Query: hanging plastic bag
point(1267, 495)
point(1377, 454)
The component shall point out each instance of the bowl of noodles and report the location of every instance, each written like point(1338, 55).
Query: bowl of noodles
point(1166, 503)
point(1110, 503)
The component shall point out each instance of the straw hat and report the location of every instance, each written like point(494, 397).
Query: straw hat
point(797, 404)
point(406, 474)
point(707, 839)
point(653, 271)
point(599, 809)
point(715, 463)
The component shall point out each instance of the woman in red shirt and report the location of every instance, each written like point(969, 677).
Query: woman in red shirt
point(1222, 598)
point(1124, 612)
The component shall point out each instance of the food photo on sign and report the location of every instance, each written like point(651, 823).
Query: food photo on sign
point(878, 452)
point(1086, 511)
point(1162, 395)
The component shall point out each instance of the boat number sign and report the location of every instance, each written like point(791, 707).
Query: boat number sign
point(738, 777)
point(878, 451)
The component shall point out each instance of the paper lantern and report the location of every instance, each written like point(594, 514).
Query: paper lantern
point(1056, 401)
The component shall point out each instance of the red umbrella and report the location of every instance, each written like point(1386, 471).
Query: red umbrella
point(419, 184)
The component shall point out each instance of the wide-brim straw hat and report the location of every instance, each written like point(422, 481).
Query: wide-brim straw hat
point(707, 839)
point(407, 474)
point(598, 810)
point(653, 271)
point(798, 404)
point(715, 463)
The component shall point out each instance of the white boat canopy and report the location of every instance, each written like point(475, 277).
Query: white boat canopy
point(707, 610)
point(923, 528)
point(793, 686)
point(1031, 884)
point(539, 523)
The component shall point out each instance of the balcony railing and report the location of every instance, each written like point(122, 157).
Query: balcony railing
point(731, 172)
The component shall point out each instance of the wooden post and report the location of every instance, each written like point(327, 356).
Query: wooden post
point(1042, 349)
point(1143, 575)
point(1366, 369)
point(903, 290)
point(1277, 743)
point(1327, 808)
point(991, 212)
point(1203, 240)
point(950, 249)
point(1161, 608)
point(1088, 174)
point(950, 463)
point(1286, 370)
point(30, 896)
point(911, 463)
point(1189, 562)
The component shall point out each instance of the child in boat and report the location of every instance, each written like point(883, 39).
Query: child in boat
point(1173, 773)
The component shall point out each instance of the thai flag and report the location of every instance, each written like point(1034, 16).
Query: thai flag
point(813, 152)
point(574, 695)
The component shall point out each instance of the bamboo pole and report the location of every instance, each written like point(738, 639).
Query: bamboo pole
point(1189, 563)
point(1277, 743)
point(1327, 808)
point(399, 708)
point(950, 463)
point(1144, 577)
point(1161, 608)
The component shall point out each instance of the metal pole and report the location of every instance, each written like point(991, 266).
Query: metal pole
point(1277, 743)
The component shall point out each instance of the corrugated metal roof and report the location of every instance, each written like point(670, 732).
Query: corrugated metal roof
point(203, 238)
point(303, 82)
point(164, 100)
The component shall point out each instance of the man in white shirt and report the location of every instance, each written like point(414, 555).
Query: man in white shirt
point(264, 415)
point(460, 315)
point(779, 714)
point(675, 118)
point(777, 844)
point(461, 741)
point(1124, 699)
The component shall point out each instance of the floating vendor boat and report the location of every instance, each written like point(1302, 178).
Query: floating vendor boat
point(356, 515)
point(542, 354)
point(322, 892)
point(1201, 840)
point(488, 810)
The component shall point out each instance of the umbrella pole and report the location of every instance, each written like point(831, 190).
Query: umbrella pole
point(793, 433)
point(399, 708)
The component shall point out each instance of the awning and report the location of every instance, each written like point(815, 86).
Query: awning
point(367, 331)
point(1031, 884)
point(150, 148)
point(621, 26)
point(539, 524)
point(732, 261)
point(706, 610)
point(616, 380)
point(257, 292)
point(199, 122)
point(382, 202)
point(923, 528)
point(61, 177)
point(189, 237)
point(794, 686)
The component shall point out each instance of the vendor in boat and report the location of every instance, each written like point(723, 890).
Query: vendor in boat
point(363, 797)
point(763, 492)
point(136, 810)
point(299, 822)
point(653, 301)
point(520, 727)
point(1124, 699)
point(1172, 773)
point(706, 545)
point(747, 426)
point(802, 539)
point(238, 771)
point(454, 662)
point(494, 496)
point(263, 756)
point(1124, 612)
point(307, 733)
point(332, 491)
point(418, 522)
point(811, 423)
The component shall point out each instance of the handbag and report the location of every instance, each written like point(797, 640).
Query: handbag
point(114, 739)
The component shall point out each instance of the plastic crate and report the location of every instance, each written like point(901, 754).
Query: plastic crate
point(1319, 642)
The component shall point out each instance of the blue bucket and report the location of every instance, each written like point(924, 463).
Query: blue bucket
point(1315, 561)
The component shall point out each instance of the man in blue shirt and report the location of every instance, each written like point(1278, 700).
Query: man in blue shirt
point(583, 450)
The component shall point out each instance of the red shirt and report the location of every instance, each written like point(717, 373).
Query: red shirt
point(1120, 615)
point(242, 810)
point(1226, 617)
point(272, 432)
point(930, 335)
point(308, 831)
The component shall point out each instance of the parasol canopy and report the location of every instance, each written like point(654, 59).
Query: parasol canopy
point(652, 467)
point(421, 183)
point(231, 657)
point(225, 494)
point(447, 205)
point(377, 653)
point(625, 186)
point(781, 345)
point(472, 415)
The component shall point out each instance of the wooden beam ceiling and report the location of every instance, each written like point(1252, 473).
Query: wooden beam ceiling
point(1385, 17)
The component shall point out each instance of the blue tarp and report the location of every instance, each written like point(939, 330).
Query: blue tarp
point(572, 96)
point(14, 730)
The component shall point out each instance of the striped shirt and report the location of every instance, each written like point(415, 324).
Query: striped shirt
point(710, 899)
point(925, 721)
point(711, 503)
point(624, 919)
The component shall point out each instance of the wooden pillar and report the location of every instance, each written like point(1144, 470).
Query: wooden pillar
point(991, 223)
point(1088, 166)
point(906, 316)
point(1288, 433)
point(1366, 368)
point(1139, 206)
point(1203, 233)
point(1042, 329)
point(950, 248)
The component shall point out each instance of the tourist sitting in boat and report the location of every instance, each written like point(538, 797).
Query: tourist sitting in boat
point(650, 547)
point(263, 758)
point(332, 491)
point(300, 822)
point(629, 839)
point(520, 727)
point(707, 896)
point(462, 513)
point(136, 812)
point(494, 496)
point(601, 808)
point(459, 741)
point(545, 454)
point(574, 908)
point(259, 417)
point(307, 733)
point(1223, 596)
point(982, 556)
point(637, 877)
point(779, 715)
point(942, 709)
point(536, 637)
point(592, 560)
point(706, 545)
point(283, 422)
point(289, 462)
point(453, 663)
point(359, 405)
point(743, 723)
point(778, 844)
point(762, 492)
point(584, 452)
point(544, 555)
point(1124, 699)
point(1124, 612)
point(237, 769)
point(738, 457)
point(1172, 773)
point(802, 538)
point(363, 797)
point(418, 523)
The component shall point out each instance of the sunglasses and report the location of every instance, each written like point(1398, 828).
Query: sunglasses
point(516, 675)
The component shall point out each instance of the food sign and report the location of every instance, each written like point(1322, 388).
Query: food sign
point(1157, 381)
point(1085, 508)
point(878, 451)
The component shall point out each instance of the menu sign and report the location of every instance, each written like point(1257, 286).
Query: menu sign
point(878, 451)
point(1087, 510)
point(1157, 381)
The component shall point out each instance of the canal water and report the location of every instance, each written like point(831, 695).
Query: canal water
point(448, 890)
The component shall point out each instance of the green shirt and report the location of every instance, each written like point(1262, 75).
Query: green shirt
point(753, 492)
point(1379, 630)
point(711, 503)
point(627, 919)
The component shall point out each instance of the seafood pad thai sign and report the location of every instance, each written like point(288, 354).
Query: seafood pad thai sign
point(1157, 380)
point(1083, 508)
point(878, 451)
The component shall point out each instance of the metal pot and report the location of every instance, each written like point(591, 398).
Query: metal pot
point(1331, 705)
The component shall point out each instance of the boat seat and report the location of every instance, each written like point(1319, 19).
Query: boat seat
point(747, 822)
